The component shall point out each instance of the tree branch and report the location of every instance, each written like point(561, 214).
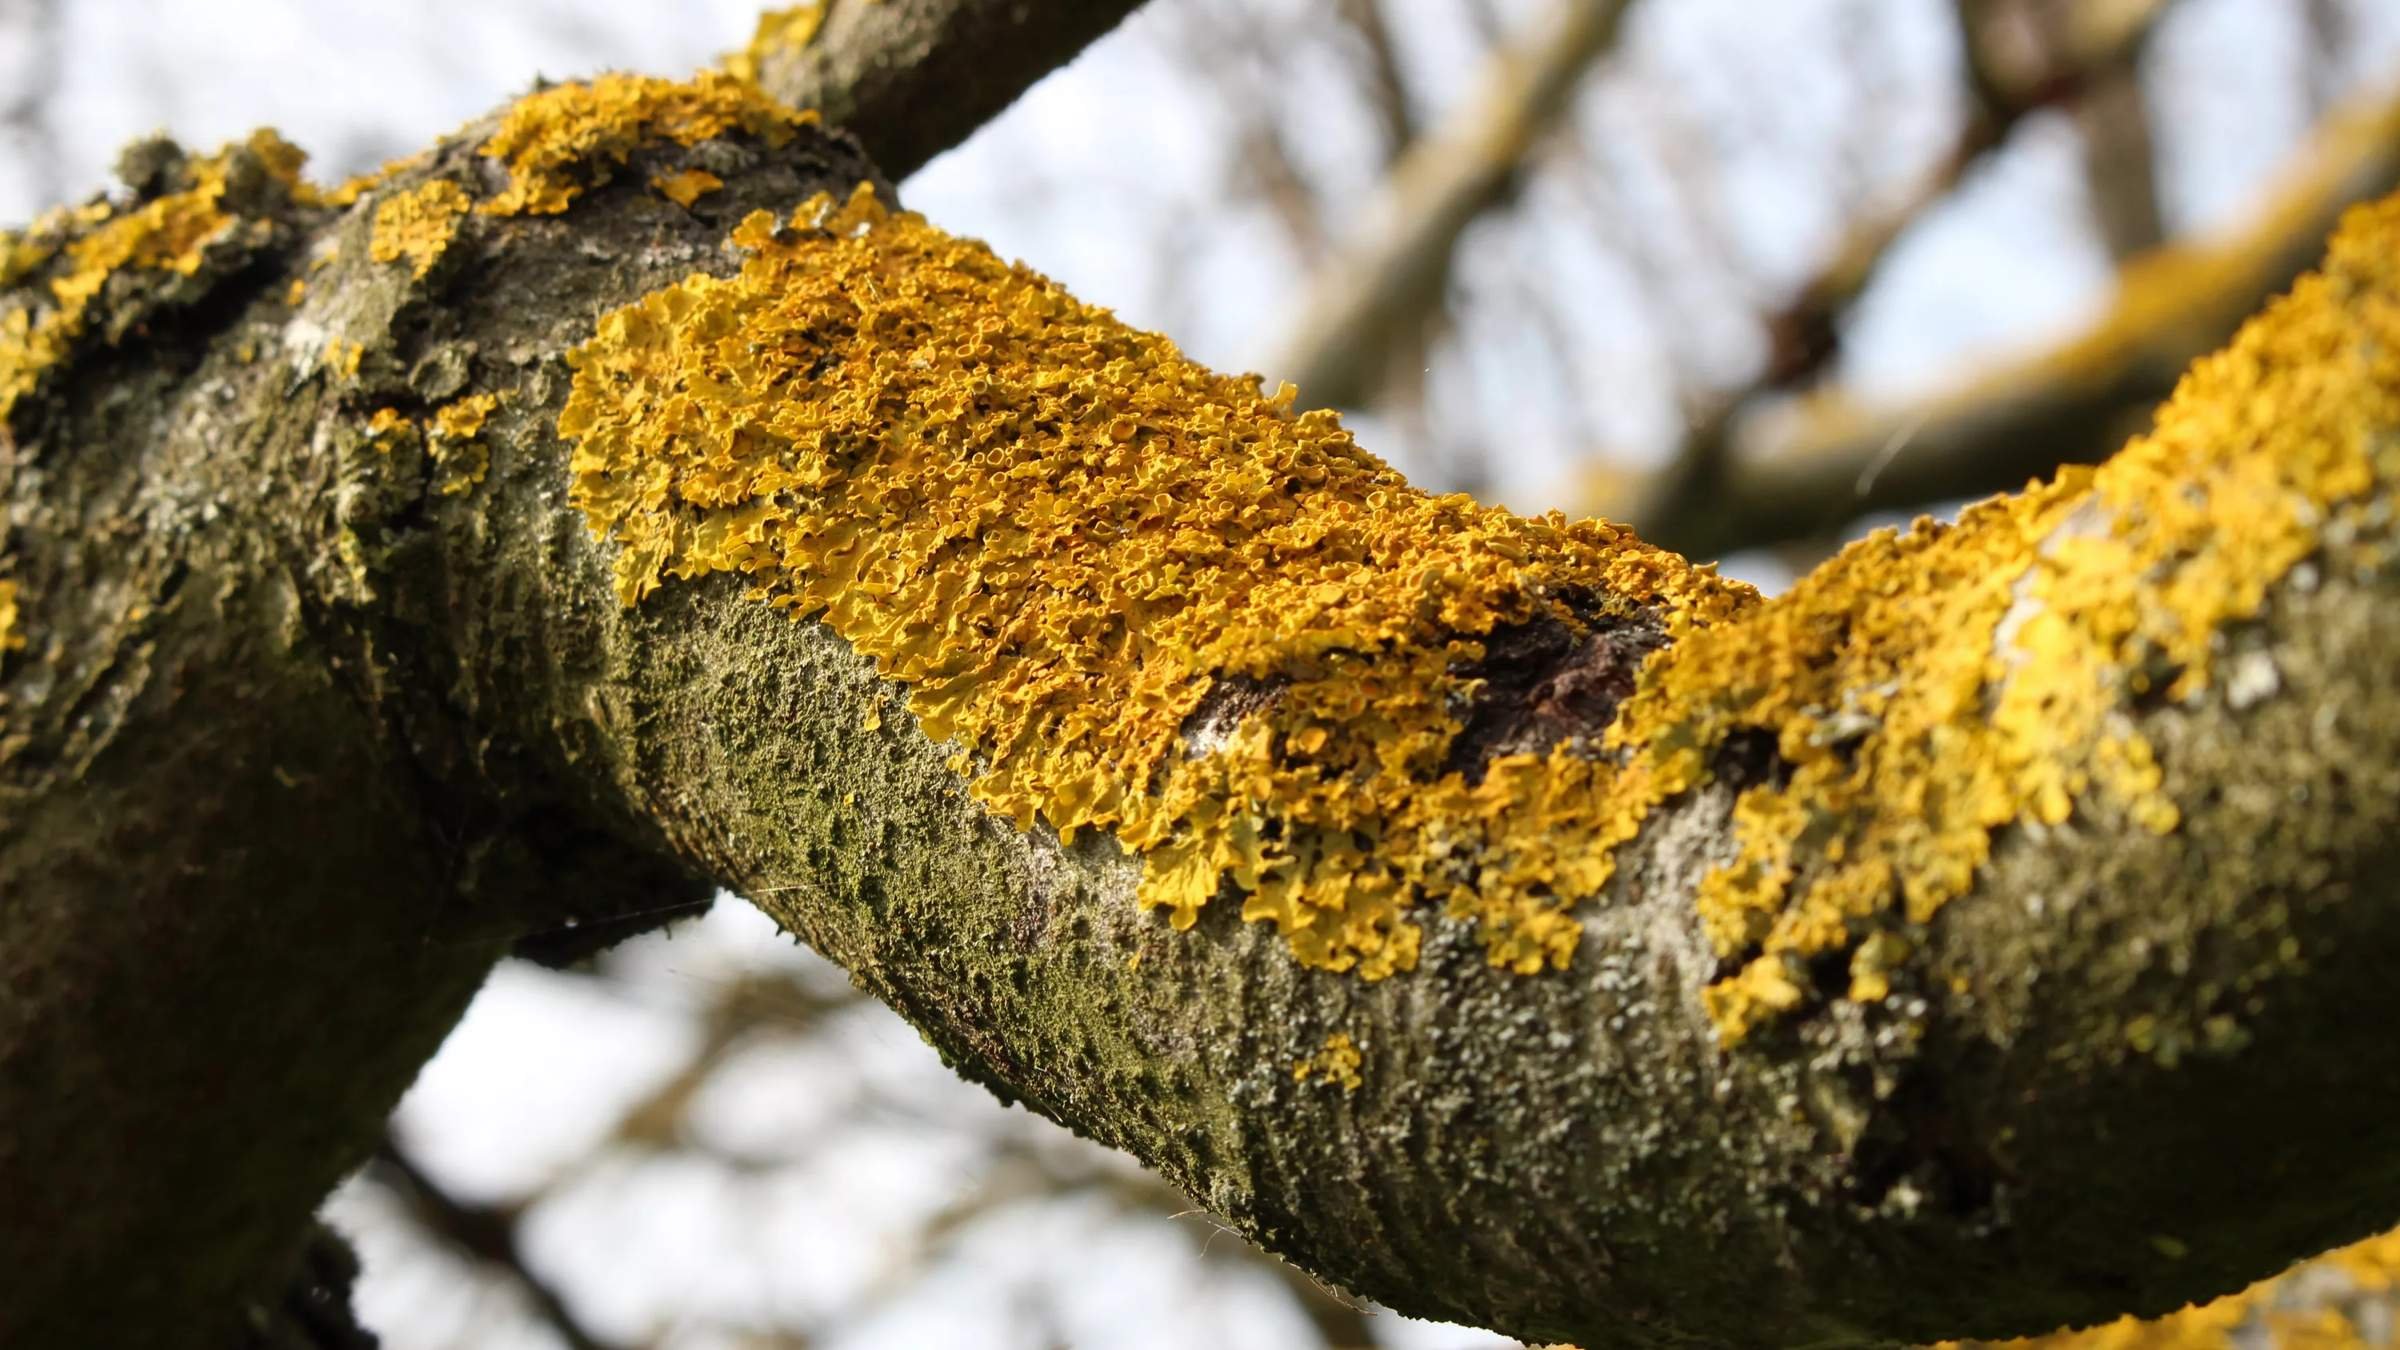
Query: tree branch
point(2071, 404)
point(916, 77)
point(482, 1233)
point(1499, 917)
point(1396, 268)
point(1674, 508)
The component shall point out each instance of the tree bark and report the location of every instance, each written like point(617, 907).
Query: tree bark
point(328, 691)
point(916, 77)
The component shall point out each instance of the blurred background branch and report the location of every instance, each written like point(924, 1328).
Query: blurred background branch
point(2074, 403)
point(1385, 278)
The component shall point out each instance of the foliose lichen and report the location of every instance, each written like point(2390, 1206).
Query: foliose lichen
point(171, 232)
point(1337, 1063)
point(455, 440)
point(786, 29)
point(686, 186)
point(417, 225)
point(1145, 598)
point(1062, 536)
point(564, 139)
point(10, 639)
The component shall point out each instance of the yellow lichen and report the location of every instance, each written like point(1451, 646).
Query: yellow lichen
point(569, 137)
point(1924, 690)
point(686, 187)
point(455, 440)
point(1337, 1063)
point(2313, 1306)
point(417, 224)
point(10, 639)
point(23, 251)
point(350, 190)
point(387, 428)
point(343, 357)
point(789, 28)
point(169, 233)
point(1063, 538)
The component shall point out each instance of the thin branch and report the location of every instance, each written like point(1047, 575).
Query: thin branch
point(486, 1233)
point(2071, 404)
point(1803, 332)
point(1387, 89)
point(1398, 267)
point(2120, 164)
point(1803, 337)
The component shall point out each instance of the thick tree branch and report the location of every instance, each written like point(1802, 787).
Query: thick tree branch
point(1503, 919)
point(916, 77)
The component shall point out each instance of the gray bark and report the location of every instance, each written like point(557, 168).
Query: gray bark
point(916, 77)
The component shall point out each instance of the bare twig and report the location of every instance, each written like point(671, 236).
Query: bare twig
point(1387, 90)
point(2120, 164)
point(1802, 337)
point(2071, 404)
point(487, 1233)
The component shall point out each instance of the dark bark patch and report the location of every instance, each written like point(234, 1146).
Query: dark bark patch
point(1749, 758)
point(1542, 683)
point(1229, 699)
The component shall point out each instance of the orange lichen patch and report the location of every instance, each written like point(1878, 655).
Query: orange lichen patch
point(455, 440)
point(169, 233)
point(2316, 1305)
point(572, 136)
point(10, 639)
point(1924, 690)
point(387, 428)
point(789, 28)
point(686, 187)
point(1143, 598)
point(417, 224)
point(1065, 539)
point(344, 357)
point(22, 252)
point(1338, 1063)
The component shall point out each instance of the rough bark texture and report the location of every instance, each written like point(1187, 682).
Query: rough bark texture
point(253, 866)
point(916, 77)
point(300, 738)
